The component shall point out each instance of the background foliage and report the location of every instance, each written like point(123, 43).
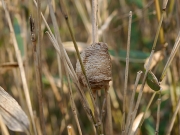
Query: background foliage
point(59, 115)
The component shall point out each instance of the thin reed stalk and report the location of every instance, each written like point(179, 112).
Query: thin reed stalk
point(173, 53)
point(84, 16)
point(21, 68)
point(17, 81)
point(94, 21)
point(144, 114)
point(37, 72)
point(126, 72)
point(158, 13)
point(158, 114)
point(38, 69)
point(109, 130)
point(73, 106)
point(60, 65)
point(57, 35)
point(53, 86)
point(128, 121)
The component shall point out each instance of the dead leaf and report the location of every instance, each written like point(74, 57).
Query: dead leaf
point(69, 46)
point(136, 122)
point(158, 56)
point(12, 114)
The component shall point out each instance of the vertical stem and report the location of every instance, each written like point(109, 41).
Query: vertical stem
point(38, 70)
point(158, 12)
point(57, 35)
point(94, 20)
point(142, 119)
point(73, 104)
point(39, 92)
point(21, 68)
point(109, 130)
point(126, 71)
point(158, 114)
point(97, 37)
point(38, 74)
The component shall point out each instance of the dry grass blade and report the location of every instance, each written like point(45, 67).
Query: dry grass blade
point(106, 23)
point(171, 57)
point(12, 114)
point(4, 129)
point(83, 16)
point(69, 46)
